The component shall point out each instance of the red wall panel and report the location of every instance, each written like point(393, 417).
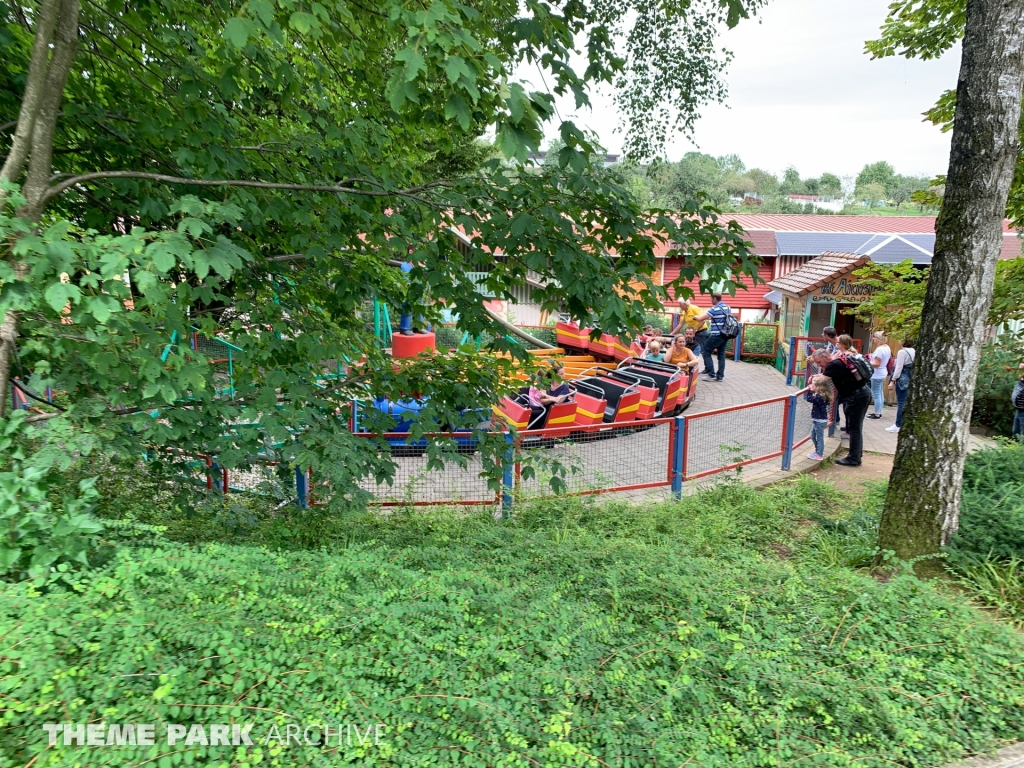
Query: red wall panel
point(750, 298)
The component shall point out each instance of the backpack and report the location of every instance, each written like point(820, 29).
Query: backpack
point(858, 366)
point(903, 382)
point(891, 365)
point(730, 328)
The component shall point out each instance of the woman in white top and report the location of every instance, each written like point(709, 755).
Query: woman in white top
point(900, 381)
point(880, 361)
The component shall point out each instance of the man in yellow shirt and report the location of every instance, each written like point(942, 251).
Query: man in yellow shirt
point(688, 314)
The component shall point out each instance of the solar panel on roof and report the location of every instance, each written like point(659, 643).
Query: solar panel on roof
point(816, 243)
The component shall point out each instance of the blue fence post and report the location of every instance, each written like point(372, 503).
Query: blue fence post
point(790, 428)
point(301, 488)
point(508, 481)
point(678, 457)
point(790, 361)
point(737, 345)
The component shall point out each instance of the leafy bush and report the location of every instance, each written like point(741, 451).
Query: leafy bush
point(446, 336)
point(659, 320)
point(543, 334)
point(759, 339)
point(997, 373)
point(449, 337)
point(579, 634)
point(987, 553)
point(992, 506)
point(38, 531)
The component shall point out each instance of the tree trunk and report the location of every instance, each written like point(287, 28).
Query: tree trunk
point(33, 94)
point(923, 501)
point(33, 140)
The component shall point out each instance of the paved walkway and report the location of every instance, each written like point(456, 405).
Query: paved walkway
point(634, 457)
point(748, 382)
point(743, 383)
point(1010, 757)
point(877, 440)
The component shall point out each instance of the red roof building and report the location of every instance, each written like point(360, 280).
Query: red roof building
point(786, 242)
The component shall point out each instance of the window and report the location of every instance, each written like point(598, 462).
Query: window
point(794, 317)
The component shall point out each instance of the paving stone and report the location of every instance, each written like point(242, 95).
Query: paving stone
point(1010, 757)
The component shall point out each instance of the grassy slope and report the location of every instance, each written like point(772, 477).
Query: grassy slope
point(577, 635)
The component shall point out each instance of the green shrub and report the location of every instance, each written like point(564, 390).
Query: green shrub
point(661, 321)
point(992, 505)
point(546, 335)
point(44, 521)
point(759, 340)
point(997, 374)
point(449, 337)
point(578, 634)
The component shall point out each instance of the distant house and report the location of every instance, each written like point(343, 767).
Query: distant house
point(821, 203)
point(521, 308)
point(538, 157)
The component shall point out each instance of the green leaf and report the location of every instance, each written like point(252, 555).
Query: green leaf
point(58, 295)
point(457, 107)
point(8, 556)
point(102, 307)
point(237, 31)
point(303, 22)
point(455, 67)
point(414, 62)
point(264, 10)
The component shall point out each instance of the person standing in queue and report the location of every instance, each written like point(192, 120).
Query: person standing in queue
point(854, 390)
point(831, 339)
point(900, 380)
point(880, 357)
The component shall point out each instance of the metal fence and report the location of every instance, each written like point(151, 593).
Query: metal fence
point(461, 480)
point(723, 439)
point(758, 340)
point(585, 459)
point(795, 357)
point(601, 458)
point(598, 458)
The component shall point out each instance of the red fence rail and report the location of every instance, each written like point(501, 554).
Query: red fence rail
point(588, 459)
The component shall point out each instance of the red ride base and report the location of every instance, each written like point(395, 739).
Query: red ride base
point(410, 346)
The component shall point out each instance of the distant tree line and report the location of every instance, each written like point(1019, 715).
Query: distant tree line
point(727, 183)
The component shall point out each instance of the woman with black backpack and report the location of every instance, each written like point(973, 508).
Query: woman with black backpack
point(900, 381)
point(850, 374)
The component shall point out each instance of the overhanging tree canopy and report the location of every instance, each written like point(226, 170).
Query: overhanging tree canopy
point(254, 167)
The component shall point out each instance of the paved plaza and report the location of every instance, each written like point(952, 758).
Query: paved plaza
point(743, 383)
point(636, 457)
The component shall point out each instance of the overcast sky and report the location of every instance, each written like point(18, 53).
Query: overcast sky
point(802, 92)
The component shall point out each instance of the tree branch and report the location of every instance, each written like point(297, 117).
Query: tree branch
point(42, 417)
point(340, 187)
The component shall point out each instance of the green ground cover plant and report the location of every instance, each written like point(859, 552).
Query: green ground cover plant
point(580, 633)
point(985, 558)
